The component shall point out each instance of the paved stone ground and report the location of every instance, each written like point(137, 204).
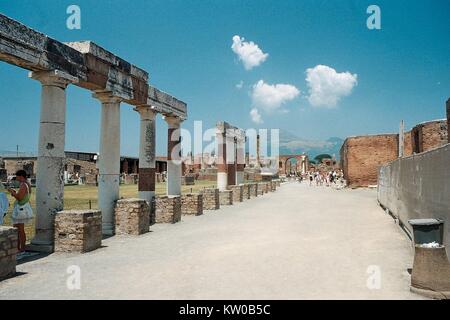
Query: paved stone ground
point(300, 242)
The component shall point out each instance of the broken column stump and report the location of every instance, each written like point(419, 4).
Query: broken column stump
point(8, 251)
point(238, 193)
point(226, 198)
point(132, 216)
point(167, 209)
point(192, 204)
point(211, 199)
point(78, 230)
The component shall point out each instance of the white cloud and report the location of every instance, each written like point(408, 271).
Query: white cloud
point(327, 87)
point(248, 52)
point(270, 97)
point(256, 117)
point(240, 85)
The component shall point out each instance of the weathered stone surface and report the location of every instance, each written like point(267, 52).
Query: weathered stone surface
point(211, 199)
point(260, 189)
point(226, 198)
point(192, 204)
point(253, 189)
point(132, 216)
point(245, 191)
point(168, 209)
point(238, 193)
point(78, 230)
point(8, 251)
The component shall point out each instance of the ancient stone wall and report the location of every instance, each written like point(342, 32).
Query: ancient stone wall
point(132, 216)
point(8, 251)
point(192, 204)
point(211, 200)
point(226, 197)
point(253, 190)
point(429, 135)
point(246, 191)
point(238, 193)
point(167, 209)
point(362, 157)
point(78, 230)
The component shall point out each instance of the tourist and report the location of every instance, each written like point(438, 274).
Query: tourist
point(4, 203)
point(22, 212)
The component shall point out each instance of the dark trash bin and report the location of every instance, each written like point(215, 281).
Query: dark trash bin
point(427, 230)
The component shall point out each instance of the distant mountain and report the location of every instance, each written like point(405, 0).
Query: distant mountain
point(291, 144)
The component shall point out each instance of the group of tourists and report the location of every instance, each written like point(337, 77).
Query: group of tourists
point(318, 178)
point(22, 212)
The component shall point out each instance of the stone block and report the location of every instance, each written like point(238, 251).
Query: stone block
point(260, 189)
point(167, 209)
point(211, 199)
point(245, 191)
point(253, 190)
point(192, 204)
point(226, 198)
point(8, 251)
point(238, 193)
point(132, 216)
point(78, 230)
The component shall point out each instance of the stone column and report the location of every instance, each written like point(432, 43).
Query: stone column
point(147, 161)
point(448, 119)
point(109, 159)
point(231, 160)
point(222, 168)
point(173, 156)
point(258, 160)
point(240, 160)
point(51, 156)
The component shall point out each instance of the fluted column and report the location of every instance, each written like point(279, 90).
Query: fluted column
point(51, 156)
point(173, 156)
point(109, 159)
point(147, 161)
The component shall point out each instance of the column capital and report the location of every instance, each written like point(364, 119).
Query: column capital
point(146, 112)
point(173, 122)
point(106, 97)
point(54, 78)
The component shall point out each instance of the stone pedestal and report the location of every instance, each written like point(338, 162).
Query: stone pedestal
point(431, 273)
point(211, 200)
point(253, 190)
point(132, 216)
point(192, 204)
point(8, 251)
point(260, 189)
point(238, 193)
point(78, 230)
point(226, 198)
point(245, 191)
point(168, 209)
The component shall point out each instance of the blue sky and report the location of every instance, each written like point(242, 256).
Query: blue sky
point(401, 71)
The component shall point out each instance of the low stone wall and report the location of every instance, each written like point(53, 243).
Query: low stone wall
point(245, 191)
point(260, 189)
point(167, 209)
point(226, 198)
point(418, 187)
point(8, 251)
point(238, 193)
point(192, 204)
point(132, 216)
point(78, 230)
point(211, 199)
point(253, 190)
point(273, 186)
point(277, 182)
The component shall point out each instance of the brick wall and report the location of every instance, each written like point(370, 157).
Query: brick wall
point(132, 216)
point(429, 135)
point(361, 157)
point(211, 200)
point(167, 209)
point(192, 204)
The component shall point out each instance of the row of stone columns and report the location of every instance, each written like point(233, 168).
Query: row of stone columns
point(51, 156)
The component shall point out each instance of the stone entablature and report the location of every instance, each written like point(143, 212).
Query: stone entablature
point(78, 231)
